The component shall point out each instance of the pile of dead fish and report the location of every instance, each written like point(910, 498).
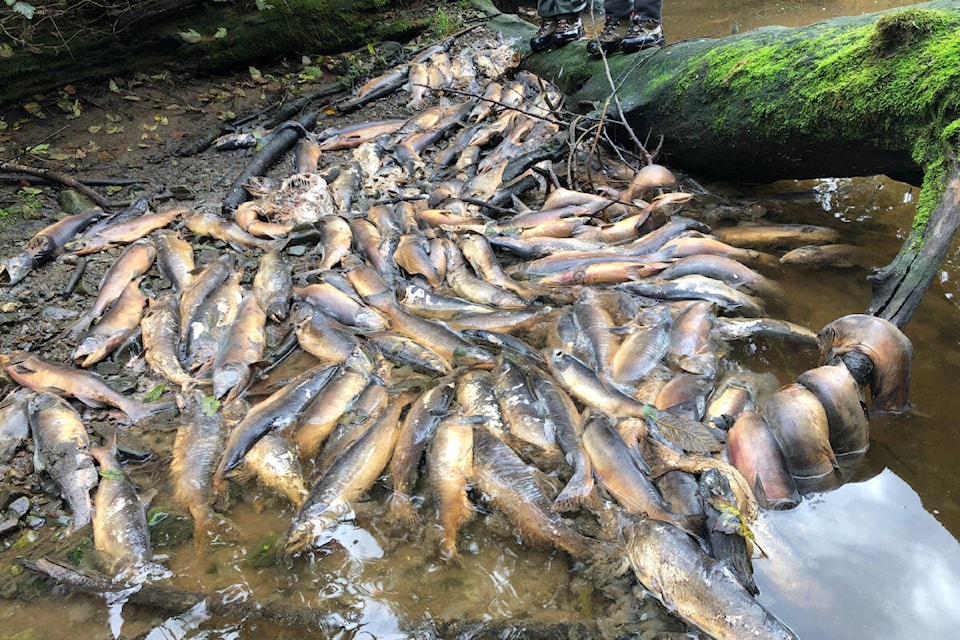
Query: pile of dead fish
point(426, 290)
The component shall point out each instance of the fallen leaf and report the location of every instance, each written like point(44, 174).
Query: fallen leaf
point(94, 128)
point(192, 36)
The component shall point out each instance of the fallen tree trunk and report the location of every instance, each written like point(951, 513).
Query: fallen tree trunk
point(851, 96)
point(149, 34)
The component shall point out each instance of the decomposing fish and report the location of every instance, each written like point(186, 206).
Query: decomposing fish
point(757, 456)
point(840, 397)
point(45, 244)
point(775, 236)
point(827, 256)
point(114, 328)
point(120, 533)
point(43, 376)
point(887, 348)
point(62, 448)
point(378, 87)
point(273, 285)
point(725, 530)
point(197, 447)
point(450, 461)
point(799, 423)
point(419, 428)
point(273, 460)
point(241, 345)
point(161, 337)
point(124, 232)
point(132, 264)
point(175, 259)
point(14, 423)
point(698, 588)
point(349, 477)
point(210, 224)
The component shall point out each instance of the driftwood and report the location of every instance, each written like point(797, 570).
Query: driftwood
point(55, 176)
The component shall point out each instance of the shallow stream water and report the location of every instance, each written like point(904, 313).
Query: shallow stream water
point(875, 559)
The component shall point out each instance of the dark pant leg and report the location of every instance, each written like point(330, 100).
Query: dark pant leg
point(648, 9)
point(554, 8)
point(618, 8)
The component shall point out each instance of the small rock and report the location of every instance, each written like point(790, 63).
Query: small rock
point(19, 507)
point(34, 522)
point(297, 250)
point(9, 525)
point(58, 313)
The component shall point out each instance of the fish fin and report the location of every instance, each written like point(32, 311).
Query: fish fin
point(759, 491)
point(402, 512)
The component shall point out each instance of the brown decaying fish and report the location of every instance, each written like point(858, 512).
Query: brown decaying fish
point(120, 533)
point(886, 346)
point(775, 236)
point(61, 448)
point(203, 284)
point(132, 264)
point(115, 326)
point(346, 480)
point(161, 337)
point(273, 285)
point(241, 345)
point(701, 590)
point(273, 460)
point(41, 375)
point(799, 423)
point(200, 440)
point(450, 461)
point(419, 428)
point(44, 245)
point(828, 256)
point(509, 484)
point(210, 224)
point(124, 232)
point(757, 456)
point(840, 396)
point(175, 259)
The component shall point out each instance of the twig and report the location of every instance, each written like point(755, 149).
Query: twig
point(90, 182)
point(62, 179)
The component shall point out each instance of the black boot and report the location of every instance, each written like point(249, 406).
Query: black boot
point(569, 28)
point(543, 40)
point(608, 40)
point(643, 34)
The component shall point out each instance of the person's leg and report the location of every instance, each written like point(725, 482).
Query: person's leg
point(615, 26)
point(646, 29)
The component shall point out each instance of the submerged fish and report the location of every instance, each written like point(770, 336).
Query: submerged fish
point(120, 532)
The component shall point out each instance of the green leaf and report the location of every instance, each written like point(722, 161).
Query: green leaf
point(23, 8)
point(209, 405)
point(221, 33)
point(154, 394)
point(192, 36)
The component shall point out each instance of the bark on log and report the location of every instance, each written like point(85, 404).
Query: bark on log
point(148, 35)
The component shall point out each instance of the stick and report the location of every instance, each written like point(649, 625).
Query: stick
point(47, 174)
point(90, 182)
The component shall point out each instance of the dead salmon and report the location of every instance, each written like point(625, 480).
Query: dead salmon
point(888, 349)
point(45, 244)
point(322, 336)
point(697, 287)
point(62, 450)
point(699, 589)
point(775, 236)
point(827, 256)
point(280, 411)
point(336, 238)
point(487, 103)
point(273, 285)
point(509, 484)
point(202, 286)
point(476, 248)
point(642, 349)
point(124, 232)
point(307, 156)
point(337, 396)
point(197, 447)
point(369, 407)
point(425, 303)
point(340, 306)
point(840, 397)
point(14, 424)
point(212, 322)
point(349, 477)
point(581, 382)
point(413, 256)
point(469, 286)
point(729, 271)
point(417, 85)
point(382, 85)
point(418, 430)
point(597, 324)
point(212, 225)
point(273, 460)
point(690, 348)
point(450, 461)
point(175, 259)
point(749, 328)
point(114, 328)
point(131, 264)
point(120, 533)
point(621, 471)
point(352, 136)
point(564, 420)
point(406, 352)
point(241, 345)
point(161, 337)
point(724, 528)
point(757, 456)
point(42, 376)
point(602, 273)
point(799, 423)
point(523, 416)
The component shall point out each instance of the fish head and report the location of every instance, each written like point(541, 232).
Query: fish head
point(16, 268)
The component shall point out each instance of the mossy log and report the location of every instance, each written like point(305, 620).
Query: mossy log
point(149, 35)
point(850, 96)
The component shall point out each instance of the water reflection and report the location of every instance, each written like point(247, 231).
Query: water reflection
point(863, 561)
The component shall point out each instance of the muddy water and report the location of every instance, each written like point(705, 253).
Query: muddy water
point(877, 558)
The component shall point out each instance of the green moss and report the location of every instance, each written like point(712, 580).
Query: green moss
point(826, 82)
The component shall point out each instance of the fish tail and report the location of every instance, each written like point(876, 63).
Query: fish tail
point(402, 512)
point(579, 493)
